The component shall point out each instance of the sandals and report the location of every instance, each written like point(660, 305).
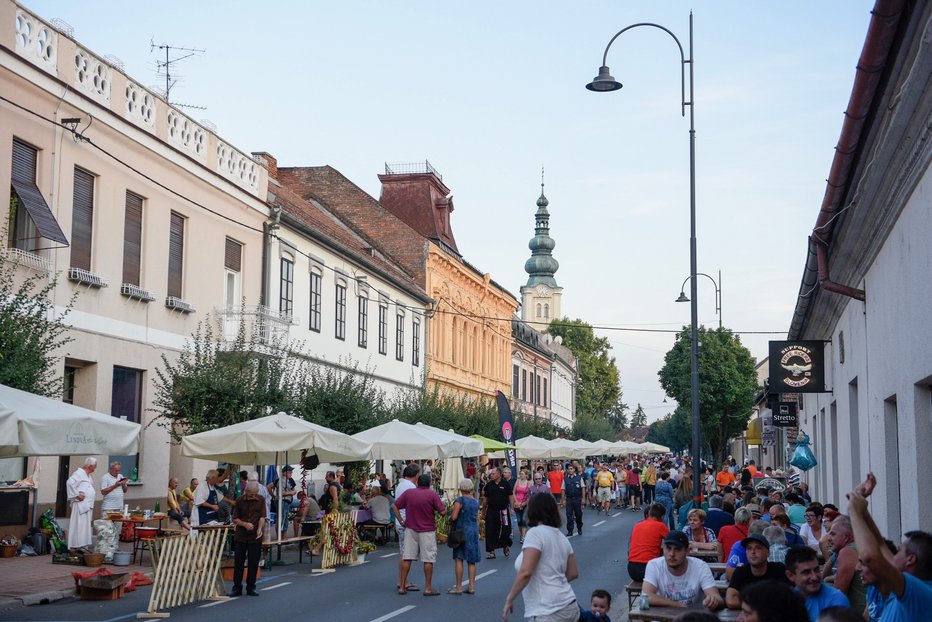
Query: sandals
point(455, 591)
point(402, 592)
point(506, 550)
point(490, 555)
point(470, 592)
point(431, 593)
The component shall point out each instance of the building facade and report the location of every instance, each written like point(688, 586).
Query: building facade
point(862, 288)
point(152, 219)
point(531, 363)
point(541, 297)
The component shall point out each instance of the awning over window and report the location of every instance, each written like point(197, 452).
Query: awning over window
point(753, 433)
point(28, 194)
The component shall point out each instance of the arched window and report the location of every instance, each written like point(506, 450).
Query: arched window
point(538, 309)
point(547, 311)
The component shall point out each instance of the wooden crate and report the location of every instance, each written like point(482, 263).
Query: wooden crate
point(96, 593)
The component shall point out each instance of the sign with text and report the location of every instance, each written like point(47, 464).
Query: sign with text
point(797, 366)
point(784, 415)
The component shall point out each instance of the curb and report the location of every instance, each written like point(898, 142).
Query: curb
point(43, 598)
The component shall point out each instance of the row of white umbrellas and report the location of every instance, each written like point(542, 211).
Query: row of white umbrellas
point(534, 448)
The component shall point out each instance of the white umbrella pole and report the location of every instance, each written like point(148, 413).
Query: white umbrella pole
point(278, 517)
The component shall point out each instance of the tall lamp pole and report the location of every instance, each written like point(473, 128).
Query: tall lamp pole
point(605, 82)
point(718, 293)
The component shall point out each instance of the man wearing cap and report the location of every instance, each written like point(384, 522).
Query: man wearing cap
point(737, 557)
point(289, 498)
point(757, 548)
point(678, 580)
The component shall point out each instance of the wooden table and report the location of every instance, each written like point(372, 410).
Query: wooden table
point(704, 554)
point(718, 569)
point(668, 614)
point(139, 521)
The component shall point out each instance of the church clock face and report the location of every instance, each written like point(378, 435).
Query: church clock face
point(541, 290)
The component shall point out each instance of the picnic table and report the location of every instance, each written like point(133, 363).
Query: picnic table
point(668, 614)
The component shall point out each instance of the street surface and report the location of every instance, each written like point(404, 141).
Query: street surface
point(366, 593)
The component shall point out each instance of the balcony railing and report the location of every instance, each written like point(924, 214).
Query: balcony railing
point(27, 259)
point(268, 325)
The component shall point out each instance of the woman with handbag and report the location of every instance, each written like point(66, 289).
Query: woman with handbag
point(464, 536)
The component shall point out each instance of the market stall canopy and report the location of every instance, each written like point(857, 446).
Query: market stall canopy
point(397, 440)
point(536, 448)
point(564, 448)
point(653, 448)
point(491, 444)
point(451, 477)
point(623, 447)
point(33, 425)
point(269, 440)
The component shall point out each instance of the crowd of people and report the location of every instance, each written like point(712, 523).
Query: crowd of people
point(785, 556)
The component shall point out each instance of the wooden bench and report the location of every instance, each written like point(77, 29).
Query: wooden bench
point(634, 591)
point(374, 530)
point(299, 540)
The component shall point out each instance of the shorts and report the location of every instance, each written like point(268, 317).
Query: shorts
point(567, 613)
point(634, 491)
point(420, 545)
point(401, 536)
point(604, 494)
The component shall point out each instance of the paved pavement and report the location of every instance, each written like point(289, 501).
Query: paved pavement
point(364, 592)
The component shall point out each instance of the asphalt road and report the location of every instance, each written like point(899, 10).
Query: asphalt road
point(366, 593)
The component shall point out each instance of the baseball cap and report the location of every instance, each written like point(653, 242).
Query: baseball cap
point(756, 537)
point(754, 508)
point(676, 538)
point(287, 467)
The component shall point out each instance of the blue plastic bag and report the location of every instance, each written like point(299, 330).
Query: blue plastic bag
point(803, 458)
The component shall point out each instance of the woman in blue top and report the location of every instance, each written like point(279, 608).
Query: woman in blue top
point(466, 515)
point(663, 493)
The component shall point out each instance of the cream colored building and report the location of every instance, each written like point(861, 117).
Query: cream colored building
point(150, 217)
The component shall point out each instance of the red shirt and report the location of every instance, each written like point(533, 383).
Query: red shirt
point(646, 539)
point(420, 504)
point(556, 481)
point(729, 534)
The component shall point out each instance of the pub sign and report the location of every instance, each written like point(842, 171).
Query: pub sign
point(797, 366)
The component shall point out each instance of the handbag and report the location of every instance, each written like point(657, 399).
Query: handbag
point(456, 539)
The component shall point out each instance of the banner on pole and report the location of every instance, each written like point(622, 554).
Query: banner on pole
point(507, 426)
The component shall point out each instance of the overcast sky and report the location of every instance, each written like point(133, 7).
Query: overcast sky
point(489, 92)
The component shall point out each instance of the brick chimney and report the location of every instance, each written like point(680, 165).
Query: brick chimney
point(420, 199)
point(270, 163)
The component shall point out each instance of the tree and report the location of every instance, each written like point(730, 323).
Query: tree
point(214, 384)
point(639, 417)
point(727, 384)
point(592, 427)
point(597, 392)
point(31, 331)
point(673, 430)
point(618, 416)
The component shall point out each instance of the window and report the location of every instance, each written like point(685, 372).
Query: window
point(30, 216)
point(363, 321)
point(286, 291)
point(415, 342)
point(546, 311)
point(524, 385)
point(126, 403)
point(544, 403)
point(515, 381)
point(175, 254)
point(383, 328)
point(538, 309)
point(232, 267)
point(132, 239)
point(537, 387)
point(533, 377)
point(341, 311)
point(400, 337)
point(314, 321)
point(82, 219)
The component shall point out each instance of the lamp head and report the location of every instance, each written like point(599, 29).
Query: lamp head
point(604, 81)
point(683, 297)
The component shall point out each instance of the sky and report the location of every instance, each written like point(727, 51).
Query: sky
point(492, 92)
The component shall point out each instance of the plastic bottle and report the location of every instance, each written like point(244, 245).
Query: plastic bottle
point(135, 475)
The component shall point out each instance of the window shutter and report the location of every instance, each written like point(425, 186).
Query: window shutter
point(233, 255)
point(82, 219)
point(24, 161)
point(175, 255)
point(132, 239)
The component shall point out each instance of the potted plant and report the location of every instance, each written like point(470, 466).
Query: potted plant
point(363, 547)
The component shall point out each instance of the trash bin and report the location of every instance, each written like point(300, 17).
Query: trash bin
point(40, 543)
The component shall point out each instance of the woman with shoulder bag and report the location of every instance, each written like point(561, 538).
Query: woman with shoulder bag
point(466, 517)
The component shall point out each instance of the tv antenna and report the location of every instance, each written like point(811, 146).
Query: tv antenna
point(173, 54)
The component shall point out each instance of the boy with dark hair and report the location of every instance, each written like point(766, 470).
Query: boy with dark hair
point(599, 604)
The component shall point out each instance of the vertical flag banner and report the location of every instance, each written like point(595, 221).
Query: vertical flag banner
point(508, 428)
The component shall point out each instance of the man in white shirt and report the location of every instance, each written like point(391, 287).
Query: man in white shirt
point(408, 482)
point(81, 495)
point(112, 487)
point(206, 500)
point(677, 580)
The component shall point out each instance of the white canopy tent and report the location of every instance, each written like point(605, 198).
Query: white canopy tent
point(397, 440)
point(653, 448)
point(275, 439)
point(535, 448)
point(33, 425)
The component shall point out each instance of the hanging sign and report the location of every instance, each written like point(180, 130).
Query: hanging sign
point(784, 415)
point(797, 366)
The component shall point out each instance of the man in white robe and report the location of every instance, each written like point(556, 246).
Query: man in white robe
point(81, 495)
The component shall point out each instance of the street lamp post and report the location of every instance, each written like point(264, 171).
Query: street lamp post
point(718, 293)
point(605, 82)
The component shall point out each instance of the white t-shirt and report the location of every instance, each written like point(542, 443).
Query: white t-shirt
point(114, 500)
point(403, 485)
point(548, 590)
point(687, 589)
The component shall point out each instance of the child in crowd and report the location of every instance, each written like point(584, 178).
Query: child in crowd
point(600, 603)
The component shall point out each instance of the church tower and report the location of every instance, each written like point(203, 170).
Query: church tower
point(541, 297)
